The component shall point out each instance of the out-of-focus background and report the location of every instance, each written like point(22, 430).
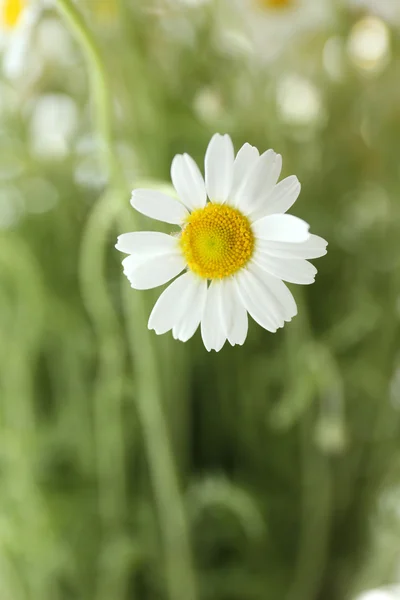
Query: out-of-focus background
point(134, 467)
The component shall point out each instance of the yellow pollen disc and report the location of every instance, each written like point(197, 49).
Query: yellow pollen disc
point(275, 3)
point(11, 12)
point(217, 241)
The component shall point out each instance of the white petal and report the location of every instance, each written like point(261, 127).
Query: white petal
point(281, 228)
point(281, 198)
point(131, 262)
point(15, 55)
point(244, 162)
point(153, 271)
point(159, 206)
point(146, 243)
point(19, 41)
point(172, 304)
point(190, 321)
point(212, 330)
point(234, 315)
point(297, 271)
point(219, 167)
point(279, 289)
point(259, 183)
point(252, 186)
point(258, 300)
point(188, 181)
point(314, 247)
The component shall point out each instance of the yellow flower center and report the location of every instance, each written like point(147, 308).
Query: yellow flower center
point(217, 241)
point(11, 11)
point(275, 3)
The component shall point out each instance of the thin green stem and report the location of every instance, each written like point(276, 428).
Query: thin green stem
point(171, 511)
point(316, 517)
point(315, 475)
point(99, 89)
point(108, 390)
point(22, 279)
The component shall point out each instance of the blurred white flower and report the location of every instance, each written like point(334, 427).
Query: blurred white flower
point(89, 171)
point(17, 21)
point(387, 593)
point(53, 43)
point(208, 105)
point(333, 58)
point(273, 25)
point(234, 42)
point(161, 7)
point(299, 100)
point(386, 9)
point(240, 240)
point(54, 121)
point(369, 45)
point(193, 2)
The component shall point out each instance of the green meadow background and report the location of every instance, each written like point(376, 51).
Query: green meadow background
point(134, 467)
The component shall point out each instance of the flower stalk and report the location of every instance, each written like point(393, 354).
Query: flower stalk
point(179, 571)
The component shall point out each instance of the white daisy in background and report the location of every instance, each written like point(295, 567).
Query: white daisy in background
point(17, 21)
point(53, 123)
point(274, 24)
point(368, 45)
point(387, 593)
point(236, 246)
point(389, 10)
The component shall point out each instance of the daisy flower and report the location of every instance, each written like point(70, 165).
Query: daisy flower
point(236, 245)
point(389, 10)
point(17, 21)
point(273, 24)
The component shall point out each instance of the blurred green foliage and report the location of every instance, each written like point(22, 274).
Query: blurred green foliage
point(287, 449)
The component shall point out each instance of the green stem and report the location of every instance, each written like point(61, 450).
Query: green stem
point(99, 88)
point(316, 517)
point(171, 512)
point(108, 388)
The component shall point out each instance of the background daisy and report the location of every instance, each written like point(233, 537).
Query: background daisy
point(277, 26)
point(386, 9)
point(17, 21)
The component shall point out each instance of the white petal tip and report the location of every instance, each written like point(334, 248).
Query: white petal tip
point(133, 201)
point(150, 327)
point(119, 245)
